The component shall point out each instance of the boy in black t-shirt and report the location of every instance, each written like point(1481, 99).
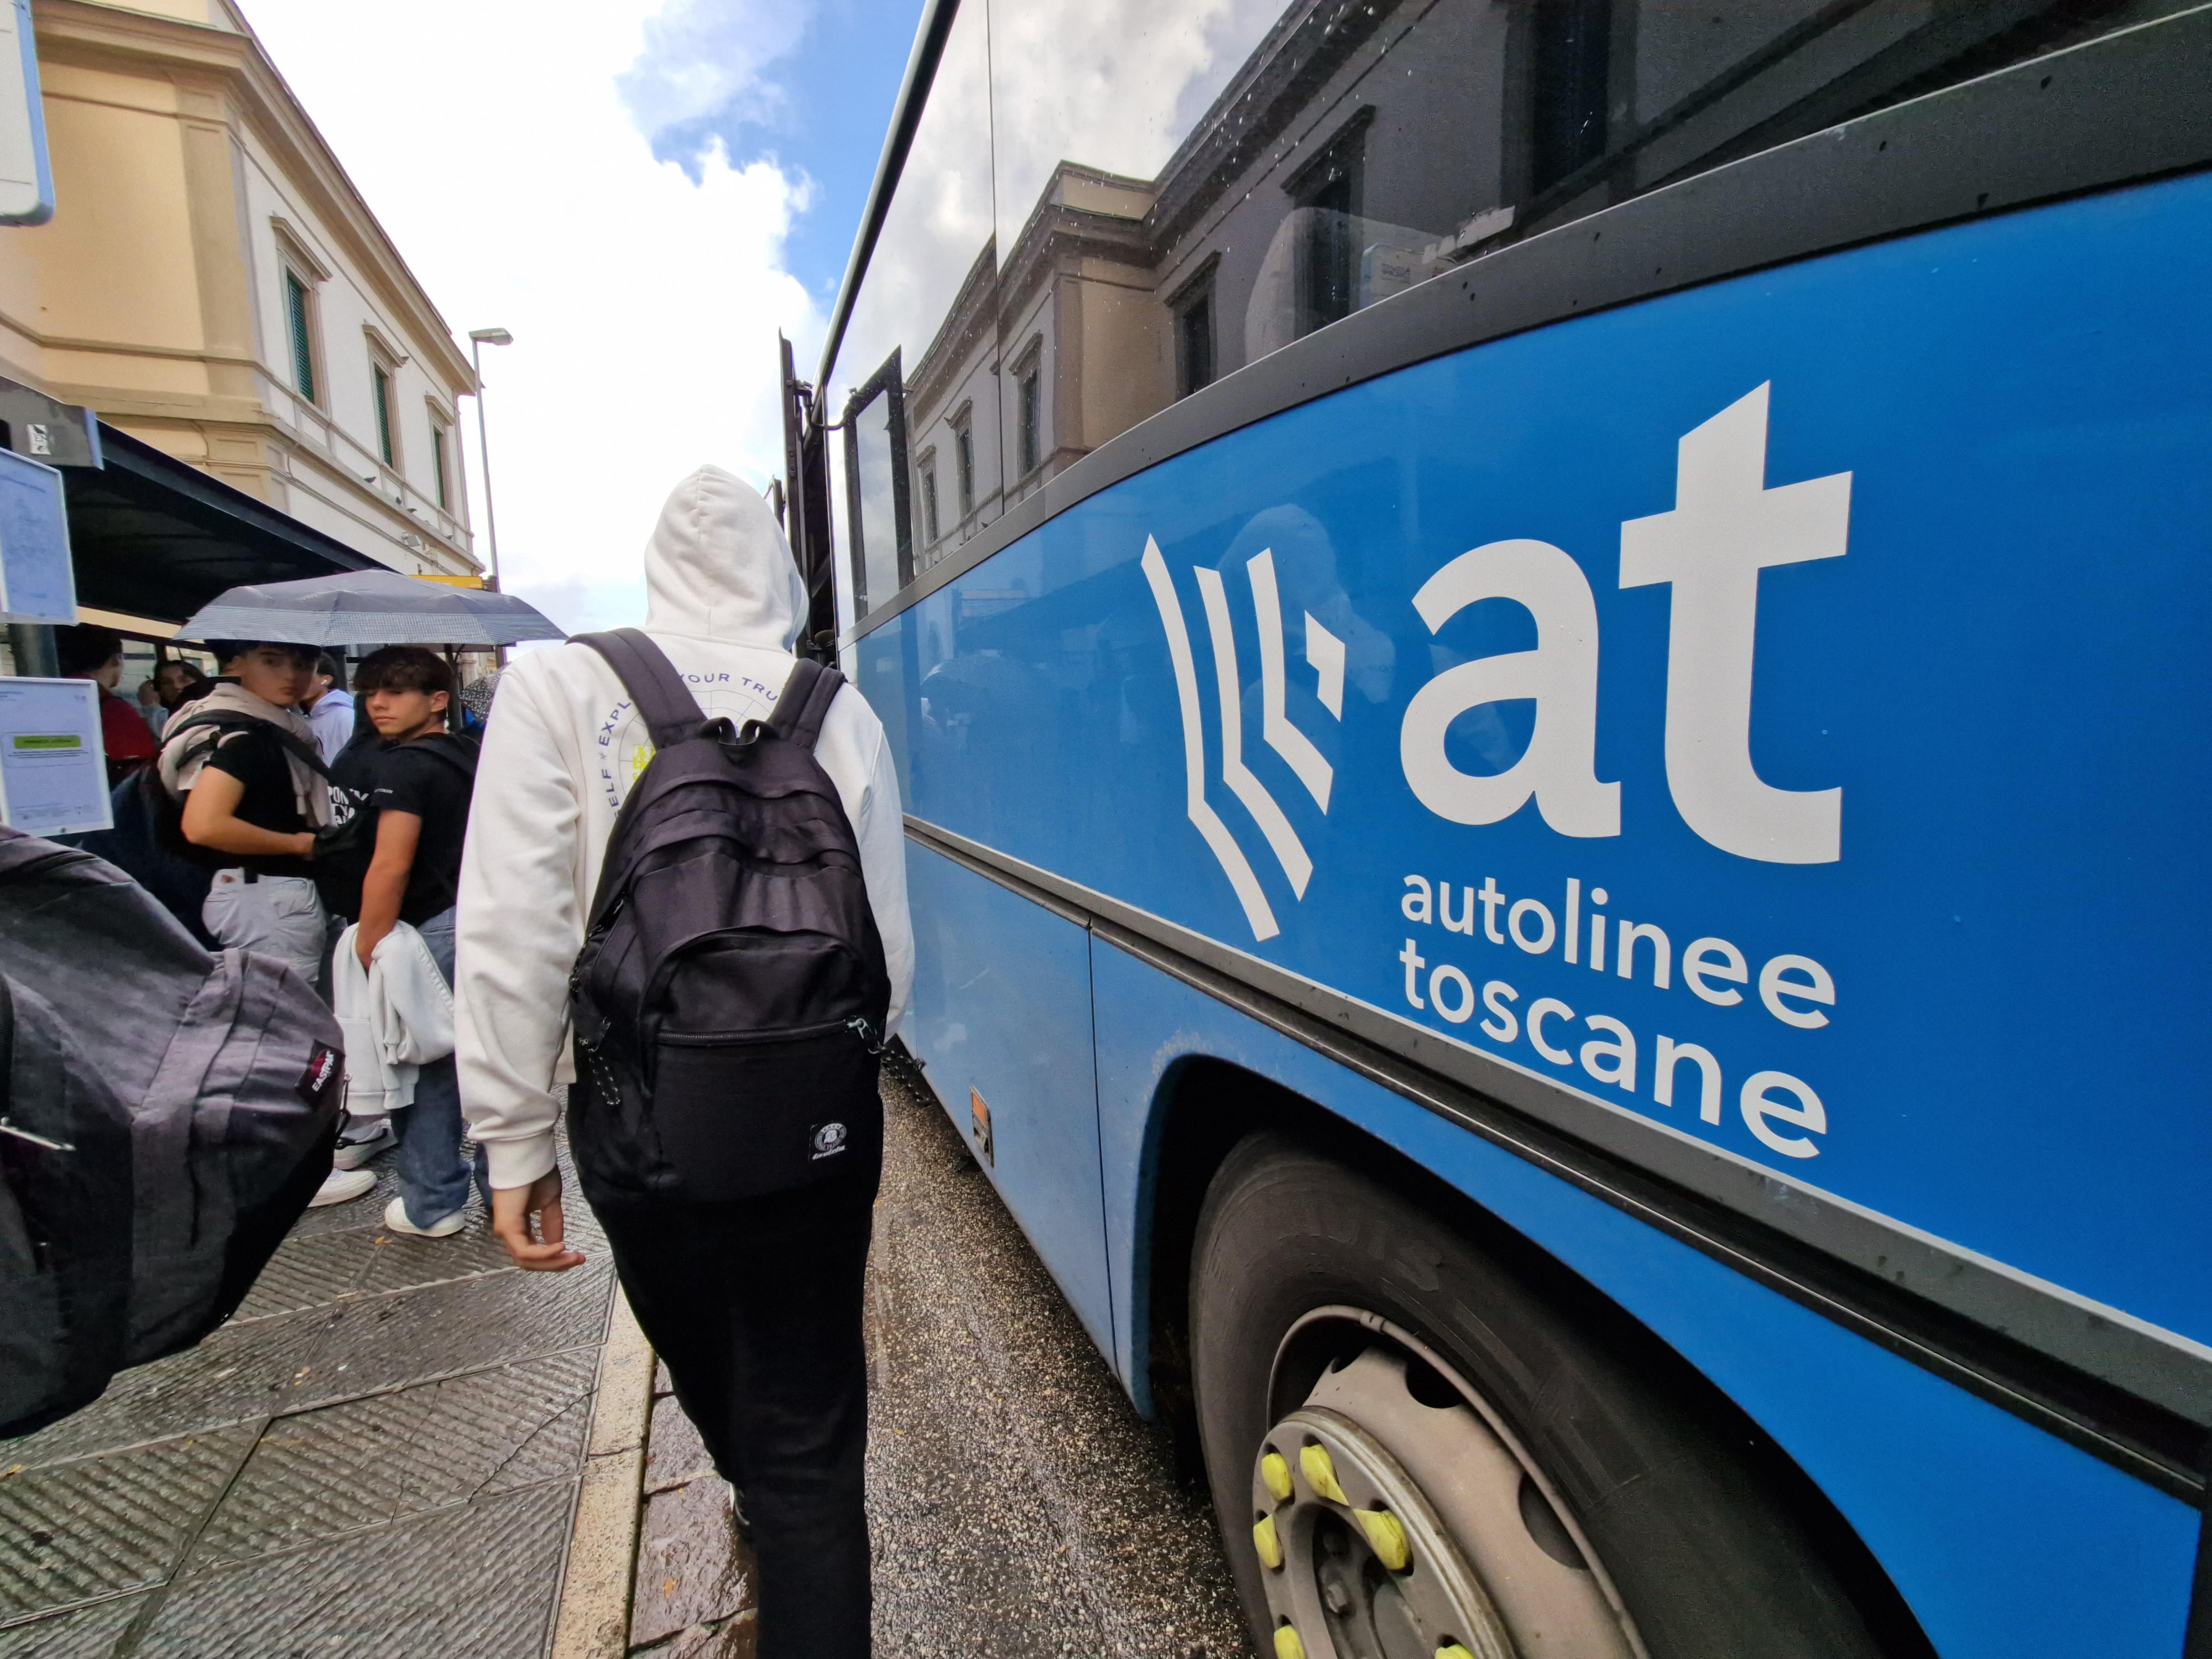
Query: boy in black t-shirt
point(253, 796)
point(423, 776)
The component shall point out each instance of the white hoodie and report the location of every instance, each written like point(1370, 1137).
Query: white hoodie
point(725, 602)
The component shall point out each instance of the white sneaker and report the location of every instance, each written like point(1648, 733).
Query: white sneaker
point(364, 1138)
point(395, 1219)
point(341, 1186)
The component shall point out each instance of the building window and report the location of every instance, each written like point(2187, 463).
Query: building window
point(963, 461)
point(1327, 192)
point(929, 530)
point(1571, 63)
point(438, 464)
point(1028, 415)
point(299, 318)
point(1194, 334)
point(379, 382)
point(1192, 309)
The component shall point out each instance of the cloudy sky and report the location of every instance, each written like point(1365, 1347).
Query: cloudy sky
point(643, 191)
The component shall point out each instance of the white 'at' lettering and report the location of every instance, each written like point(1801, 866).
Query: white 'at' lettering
point(1726, 526)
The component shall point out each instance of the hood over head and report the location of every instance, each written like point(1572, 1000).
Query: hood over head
point(719, 568)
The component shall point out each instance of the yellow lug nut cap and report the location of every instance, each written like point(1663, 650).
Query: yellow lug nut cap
point(1287, 1645)
point(1321, 1473)
point(1387, 1536)
point(1265, 1541)
point(1276, 1473)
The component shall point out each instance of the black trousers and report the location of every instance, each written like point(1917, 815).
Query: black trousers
point(755, 1305)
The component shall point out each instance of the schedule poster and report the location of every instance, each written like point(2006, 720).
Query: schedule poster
point(53, 770)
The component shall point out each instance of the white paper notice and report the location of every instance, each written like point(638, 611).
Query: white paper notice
point(53, 770)
point(38, 582)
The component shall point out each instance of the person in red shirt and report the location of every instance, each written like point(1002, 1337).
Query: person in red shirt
point(88, 652)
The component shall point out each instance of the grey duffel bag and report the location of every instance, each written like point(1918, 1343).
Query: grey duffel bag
point(168, 1113)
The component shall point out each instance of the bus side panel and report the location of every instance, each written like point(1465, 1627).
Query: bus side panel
point(2005, 1542)
point(1002, 1007)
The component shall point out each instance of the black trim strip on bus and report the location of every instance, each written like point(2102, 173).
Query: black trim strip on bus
point(2134, 1397)
point(2128, 106)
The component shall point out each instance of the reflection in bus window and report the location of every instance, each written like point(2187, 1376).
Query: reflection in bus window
point(1111, 206)
point(873, 485)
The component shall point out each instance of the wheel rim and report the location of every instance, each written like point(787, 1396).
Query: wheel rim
point(1388, 1528)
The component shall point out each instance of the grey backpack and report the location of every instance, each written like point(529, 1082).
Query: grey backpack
point(166, 1113)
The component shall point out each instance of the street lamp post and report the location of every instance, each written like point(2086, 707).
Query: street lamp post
point(478, 338)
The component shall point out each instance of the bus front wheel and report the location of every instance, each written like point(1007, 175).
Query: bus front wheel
point(1414, 1456)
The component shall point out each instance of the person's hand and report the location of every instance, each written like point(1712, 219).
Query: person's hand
point(303, 844)
point(364, 946)
point(511, 1210)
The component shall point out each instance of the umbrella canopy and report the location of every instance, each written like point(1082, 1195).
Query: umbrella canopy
point(361, 607)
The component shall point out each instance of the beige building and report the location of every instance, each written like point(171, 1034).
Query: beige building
point(212, 285)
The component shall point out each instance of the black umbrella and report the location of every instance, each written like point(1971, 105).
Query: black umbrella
point(359, 607)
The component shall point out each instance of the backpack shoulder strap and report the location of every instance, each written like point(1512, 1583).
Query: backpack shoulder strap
point(805, 702)
point(459, 753)
point(671, 712)
point(221, 720)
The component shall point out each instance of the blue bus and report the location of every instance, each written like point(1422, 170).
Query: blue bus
point(1548, 659)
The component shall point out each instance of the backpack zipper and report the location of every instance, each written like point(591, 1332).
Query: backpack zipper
point(8, 1127)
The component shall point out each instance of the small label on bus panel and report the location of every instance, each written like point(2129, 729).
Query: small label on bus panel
point(979, 1119)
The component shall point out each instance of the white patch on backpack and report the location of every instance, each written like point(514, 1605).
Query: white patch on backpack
point(829, 1140)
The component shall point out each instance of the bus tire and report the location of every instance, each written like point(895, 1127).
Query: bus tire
point(1331, 1314)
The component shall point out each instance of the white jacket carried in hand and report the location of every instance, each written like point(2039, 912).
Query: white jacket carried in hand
point(725, 603)
point(397, 1015)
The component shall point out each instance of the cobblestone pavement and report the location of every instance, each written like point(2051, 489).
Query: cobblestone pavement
point(378, 1455)
point(1019, 1508)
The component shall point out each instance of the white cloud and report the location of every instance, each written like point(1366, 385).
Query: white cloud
point(707, 58)
point(493, 144)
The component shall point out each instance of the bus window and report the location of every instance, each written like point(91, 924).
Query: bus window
point(1103, 212)
point(880, 518)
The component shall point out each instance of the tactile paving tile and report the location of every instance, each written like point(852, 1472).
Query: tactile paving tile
point(367, 1211)
point(321, 1474)
point(240, 1371)
point(72, 1531)
point(397, 1262)
point(89, 1633)
point(373, 1343)
point(476, 1582)
point(306, 1272)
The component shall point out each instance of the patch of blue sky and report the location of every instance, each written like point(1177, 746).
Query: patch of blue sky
point(805, 84)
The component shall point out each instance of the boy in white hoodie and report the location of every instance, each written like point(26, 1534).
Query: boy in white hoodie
point(755, 1305)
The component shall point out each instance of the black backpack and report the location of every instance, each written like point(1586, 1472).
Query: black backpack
point(728, 1003)
point(166, 812)
point(166, 1113)
point(136, 846)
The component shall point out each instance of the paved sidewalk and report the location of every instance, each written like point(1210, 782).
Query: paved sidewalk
point(378, 1456)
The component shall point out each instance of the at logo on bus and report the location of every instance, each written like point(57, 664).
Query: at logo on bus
point(1324, 653)
point(1725, 527)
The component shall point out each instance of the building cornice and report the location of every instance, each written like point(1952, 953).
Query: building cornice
point(95, 36)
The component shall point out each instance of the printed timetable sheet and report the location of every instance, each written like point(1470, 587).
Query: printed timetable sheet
point(53, 770)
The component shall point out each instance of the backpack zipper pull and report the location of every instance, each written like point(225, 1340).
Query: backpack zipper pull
point(7, 1128)
point(861, 1028)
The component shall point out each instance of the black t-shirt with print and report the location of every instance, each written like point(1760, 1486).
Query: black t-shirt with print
point(433, 778)
point(257, 759)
